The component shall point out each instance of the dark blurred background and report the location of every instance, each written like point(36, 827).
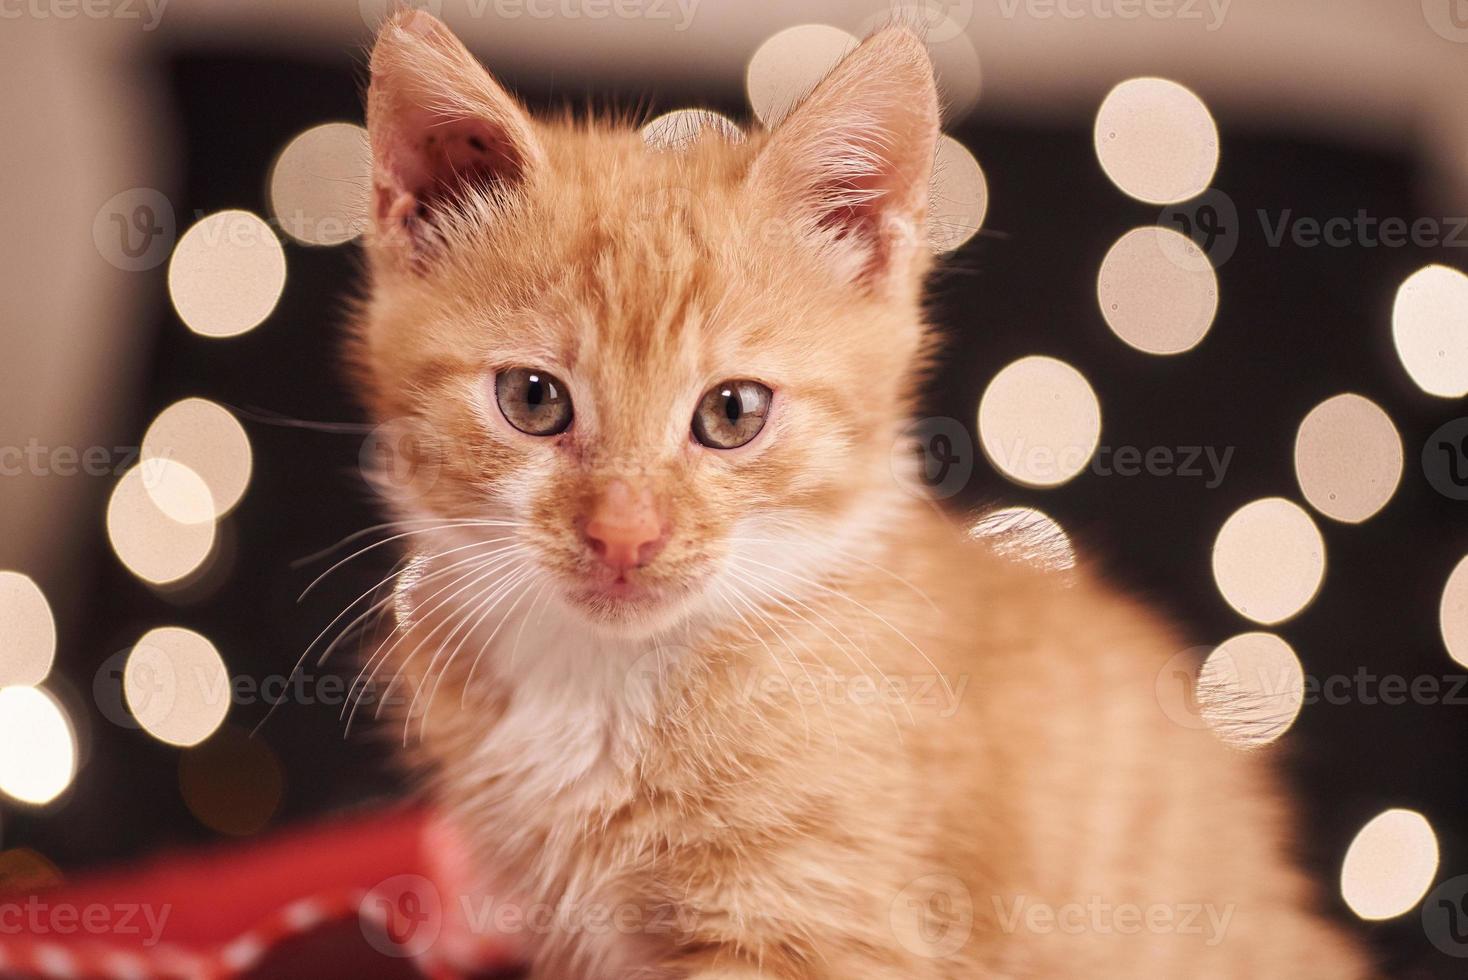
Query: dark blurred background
point(1319, 118)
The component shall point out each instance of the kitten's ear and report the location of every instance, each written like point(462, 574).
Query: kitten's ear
point(851, 164)
point(439, 126)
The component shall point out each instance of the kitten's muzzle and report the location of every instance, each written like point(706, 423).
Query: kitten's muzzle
point(624, 530)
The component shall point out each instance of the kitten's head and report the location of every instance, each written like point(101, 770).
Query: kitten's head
point(668, 369)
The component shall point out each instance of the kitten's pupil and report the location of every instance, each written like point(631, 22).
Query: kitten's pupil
point(732, 408)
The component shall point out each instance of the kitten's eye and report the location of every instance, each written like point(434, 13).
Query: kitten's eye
point(731, 413)
point(534, 402)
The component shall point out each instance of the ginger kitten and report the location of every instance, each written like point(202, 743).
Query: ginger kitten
point(681, 648)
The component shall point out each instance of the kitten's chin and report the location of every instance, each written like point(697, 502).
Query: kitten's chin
point(627, 608)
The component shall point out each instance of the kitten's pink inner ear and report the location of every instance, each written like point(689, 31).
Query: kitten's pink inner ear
point(440, 128)
point(432, 160)
point(855, 157)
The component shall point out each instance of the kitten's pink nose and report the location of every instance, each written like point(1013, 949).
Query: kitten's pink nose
point(624, 529)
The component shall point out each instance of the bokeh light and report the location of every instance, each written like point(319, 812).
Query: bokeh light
point(1348, 458)
point(683, 127)
point(1251, 689)
point(226, 274)
point(1269, 560)
point(176, 685)
point(320, 184)
point(27, 631)
point(1430, 328)
point(1390, 865)
point(37, 746)
point(787, 67)
point(232, 783)
point(1039, 421)
point(1025, 535)
point(1156, 140)
point(210, 443)
point(1453, 613)
point(958, 197)
point(1158, 291)
point(156, 547)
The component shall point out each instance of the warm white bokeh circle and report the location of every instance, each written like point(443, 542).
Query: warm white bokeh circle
point(1348, 458)
point(1039, 421)
point(1390, 865)
point(1251, 689)
point(1025, 535)
point(1269, 560)
point(1156, 140)
point(788, 65)
point(176, 685)
point(320, 184)
point(958, 198)
point(155, 546)
point(207, 439)
point(226, 274)
point(684, 127)
point(27, 631)
point(37, 746)
point(1430, 329)
point(1157, 290)
point(1453, 613)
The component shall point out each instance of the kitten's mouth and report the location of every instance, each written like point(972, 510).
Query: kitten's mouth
point(619, 598)
point(620, 591)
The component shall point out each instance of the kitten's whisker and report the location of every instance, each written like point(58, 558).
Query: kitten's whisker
point(775, 659)
point(786, 634)
point(850, 642)
point(515, 650)
point(530, 573)
point(478, 562)
point(864, 608)
point(397, 572)
point(397, 537)
point(474, 576)
point(370, 611)
point(266, 417)
point(384, 651)
point(496, 595)
point(358, 535)
point(848, 554)
point(480, 574)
